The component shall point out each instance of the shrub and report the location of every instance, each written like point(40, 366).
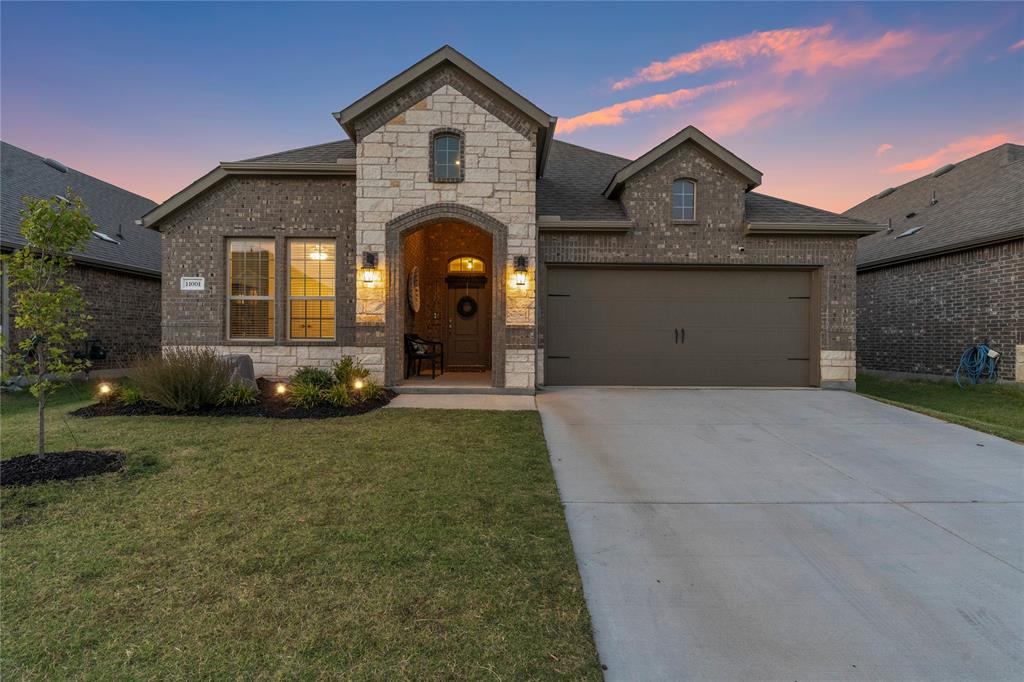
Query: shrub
point(348, 370)
point(238, 394)
point(129, 396)
point(306, 395)
point(338, 395)
point(371, 390)
point(313, 376)
point(183, 378)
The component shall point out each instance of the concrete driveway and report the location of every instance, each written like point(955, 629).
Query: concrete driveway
point(790, 535)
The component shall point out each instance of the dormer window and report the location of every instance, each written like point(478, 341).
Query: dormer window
point(447, 156)
point(684, 194)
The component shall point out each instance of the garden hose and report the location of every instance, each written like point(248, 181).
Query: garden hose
point(979, 363)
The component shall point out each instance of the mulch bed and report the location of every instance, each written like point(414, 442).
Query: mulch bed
point(270, 405)
point(59, 466)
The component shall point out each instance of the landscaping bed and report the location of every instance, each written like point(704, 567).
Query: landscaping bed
point(59, 466)
point(269, 404)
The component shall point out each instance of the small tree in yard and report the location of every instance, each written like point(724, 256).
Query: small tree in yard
point(48, 309)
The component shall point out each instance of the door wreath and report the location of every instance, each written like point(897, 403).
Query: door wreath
point(466, 307)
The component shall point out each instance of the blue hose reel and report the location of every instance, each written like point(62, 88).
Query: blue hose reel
point(979, 364)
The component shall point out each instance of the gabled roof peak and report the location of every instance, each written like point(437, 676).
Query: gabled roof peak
point(688, 134)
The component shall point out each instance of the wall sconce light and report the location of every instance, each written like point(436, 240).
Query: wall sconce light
point(520, 268)
point(370, 272)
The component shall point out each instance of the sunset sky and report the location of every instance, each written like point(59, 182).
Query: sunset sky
point(832, 102)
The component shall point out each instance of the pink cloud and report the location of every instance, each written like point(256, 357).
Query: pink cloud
point(729, 52)
point(803, 51)
point(954, 151)
point(616, 113)
point(748, 108)
point(883, 148)
point(1019, 45)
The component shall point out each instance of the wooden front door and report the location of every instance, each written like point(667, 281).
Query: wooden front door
point(468, 345)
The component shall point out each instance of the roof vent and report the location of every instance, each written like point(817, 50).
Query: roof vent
point(912, 214)
point(885, 192)
point(913, 230)
point(56, 165)
point(945, 169)
point(104, 237)
point(935, 198)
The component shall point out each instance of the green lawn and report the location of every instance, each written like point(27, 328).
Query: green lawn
point(401, 544)
point(991, 408)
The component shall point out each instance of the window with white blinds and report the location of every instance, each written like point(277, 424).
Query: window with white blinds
point(311, 300)
point(251, 292)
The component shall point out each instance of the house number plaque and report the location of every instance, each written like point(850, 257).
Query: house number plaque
point(193, 284)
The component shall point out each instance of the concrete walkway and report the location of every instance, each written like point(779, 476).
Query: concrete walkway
point(790, 535)
point(449, 401)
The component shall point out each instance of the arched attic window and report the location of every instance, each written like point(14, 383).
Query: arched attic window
point(684, 200)
point(466, 264)
point(447, 155)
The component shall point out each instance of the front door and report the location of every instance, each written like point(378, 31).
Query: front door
point(469, 327)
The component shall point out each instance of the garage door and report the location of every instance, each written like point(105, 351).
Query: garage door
point(649, 327)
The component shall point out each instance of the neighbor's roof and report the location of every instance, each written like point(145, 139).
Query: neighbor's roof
point(978, 201)
point(23, 173)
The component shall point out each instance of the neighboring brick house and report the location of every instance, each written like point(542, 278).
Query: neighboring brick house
point(118, 270)
point(453, 214)
point(948, 272)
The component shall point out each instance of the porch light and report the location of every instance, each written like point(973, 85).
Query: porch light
point(358, 384)
point(105, 389)
point(520, 271)
point(281, 388)
point(370, 272)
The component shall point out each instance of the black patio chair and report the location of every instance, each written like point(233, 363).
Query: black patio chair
point(418, 349)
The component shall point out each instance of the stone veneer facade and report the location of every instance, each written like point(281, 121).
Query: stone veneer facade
point(393, 181)
point(716, 237)
point(918, 317)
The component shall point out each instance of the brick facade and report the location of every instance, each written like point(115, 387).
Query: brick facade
point(716, 237)
point(126, 314)
point(918, 317)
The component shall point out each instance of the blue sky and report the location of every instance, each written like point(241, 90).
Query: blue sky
point(831, 101)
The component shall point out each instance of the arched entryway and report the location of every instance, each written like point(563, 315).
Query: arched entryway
point(463, 309)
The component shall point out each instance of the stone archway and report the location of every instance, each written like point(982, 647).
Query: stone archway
point(394, 321)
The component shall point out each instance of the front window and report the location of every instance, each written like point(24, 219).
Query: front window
point(683, 199)
point(251, 293)
point(311, 277)
point(447, 157)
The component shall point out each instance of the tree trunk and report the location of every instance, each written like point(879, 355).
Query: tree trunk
point(41, 374)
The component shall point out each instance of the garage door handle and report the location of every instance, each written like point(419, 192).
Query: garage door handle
point(677, 335)
point(682, 335)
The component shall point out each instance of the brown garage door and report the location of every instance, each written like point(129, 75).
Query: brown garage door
point(650, 327)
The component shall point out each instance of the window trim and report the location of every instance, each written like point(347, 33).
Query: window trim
point(289, 241)
point(272, 297)
point(672, 199)
point(448, 132)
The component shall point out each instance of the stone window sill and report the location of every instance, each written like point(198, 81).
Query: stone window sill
point(685, 222)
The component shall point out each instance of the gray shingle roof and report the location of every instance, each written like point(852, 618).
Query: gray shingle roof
point(23, 173)
point(980, 200)
point(329, 152)
point(573, 182)
point(761, 208)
